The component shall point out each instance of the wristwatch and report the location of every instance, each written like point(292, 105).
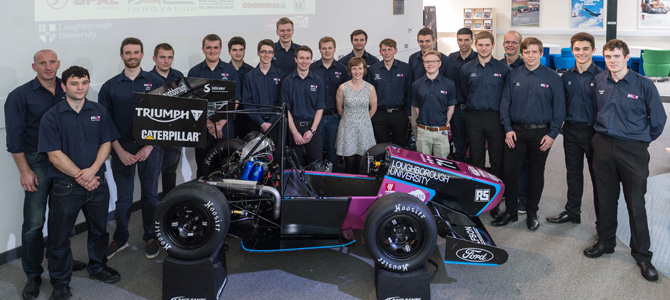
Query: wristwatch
point(313, 131)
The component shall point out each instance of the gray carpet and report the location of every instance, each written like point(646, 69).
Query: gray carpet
point(547, 264)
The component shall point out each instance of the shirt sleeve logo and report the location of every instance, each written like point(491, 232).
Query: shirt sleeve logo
point(400, 75)
point(443, 92)
point(497, 75)
point(313, 87)
point(95, 118)
point(544, 85)
point(632, 96)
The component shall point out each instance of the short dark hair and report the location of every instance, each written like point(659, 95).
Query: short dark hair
point(237, 40)
point(74, 71)
point(426, 31)
point(131, 41)
point(611, 45)
point(583, 37)
point(357, 32)
point(355, 61)
point(163, 46)
point(304, 48)
point(327, 39)
point(212, 38)
point(531, 41)
point(464, 31)
point(389, 43)
point(485, 35)
point(265, 42)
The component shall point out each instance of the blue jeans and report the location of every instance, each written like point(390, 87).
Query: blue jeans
point(34, 209)
point(458, 135)
point(170, 160)
point(328, 125)
point(124, 176)
point(67, 198)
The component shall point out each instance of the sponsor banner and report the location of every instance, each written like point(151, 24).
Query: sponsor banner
point(67, 10)
point(169, 121)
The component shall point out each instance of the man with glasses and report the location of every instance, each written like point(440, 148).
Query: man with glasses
point(511, 44)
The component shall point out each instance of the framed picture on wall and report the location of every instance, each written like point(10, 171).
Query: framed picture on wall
point(398, 7)
point(526, 13)
point(587, 14)
point(653, 14)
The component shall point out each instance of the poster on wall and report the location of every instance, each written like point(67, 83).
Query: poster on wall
point(526, 13)
point(653, 14)
point(587, 14)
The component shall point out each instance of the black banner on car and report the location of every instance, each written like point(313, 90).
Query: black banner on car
point(169, 121)
point(220, 94)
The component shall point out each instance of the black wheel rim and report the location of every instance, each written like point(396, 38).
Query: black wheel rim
point(400, 236)
point(189, 225)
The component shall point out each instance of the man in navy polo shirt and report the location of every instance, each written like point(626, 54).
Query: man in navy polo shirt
point(359, 39)
point(304, 95)
point(333, 74)
point(170, 155)
point(392, 80)
point(117, 96)
point(219, 127)
point(433, 99)
point(481, 83)
point(262, 85)
point(532, 110)
point(578, 131)
point(76, 134)
point(284, 58)
point(458, 58)
point(236, 48)
point(629, 117)
point(511, 44)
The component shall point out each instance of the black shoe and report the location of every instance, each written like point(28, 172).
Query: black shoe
point(107, 275)
point(32, 288)
point(648, 271)
point(504, 219)
point(61, 292)
point(564, 217)
point(496, 212)
point(532, 222)
point(78, 265)
point(597, 250)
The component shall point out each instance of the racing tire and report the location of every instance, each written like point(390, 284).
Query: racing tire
point(192, 221)
point(377, 152)
point(218, 155)
point(400, 232)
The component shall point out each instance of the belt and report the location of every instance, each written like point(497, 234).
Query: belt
point(432, 128)
point(390, 110)
point(531, 126)
point(462, 106)
point(303, 123)
point(329, 112)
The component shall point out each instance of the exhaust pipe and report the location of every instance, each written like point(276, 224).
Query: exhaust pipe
point(246, 186)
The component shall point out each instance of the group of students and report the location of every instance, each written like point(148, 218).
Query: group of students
point(514, 108)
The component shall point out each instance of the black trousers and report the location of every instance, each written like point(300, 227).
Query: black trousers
point(390, 127)
point(527, 143)
point(458, 135)
point(484, 127)
point(577, 144)
point(311, 151)
point(615, 162)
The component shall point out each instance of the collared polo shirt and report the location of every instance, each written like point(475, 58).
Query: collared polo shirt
point(369, 58)
point(418, 70)
point(332, 77)
point(285, 59)
point(457, 61)
point(117, 96)
point(580, 107)
point(24, 108)
point(242, 73)
point(482, 86)
point(172, 74)
point(433, 98)
point(392, 85)
point(262, 89)
point(222, 71)
point(533, 97)
point(77, 135)
point(517, 63)
point(630, 109)
point(303, 97)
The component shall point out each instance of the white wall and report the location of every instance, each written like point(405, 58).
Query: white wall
point(101, 56)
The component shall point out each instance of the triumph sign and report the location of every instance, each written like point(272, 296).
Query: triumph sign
point(169, 121)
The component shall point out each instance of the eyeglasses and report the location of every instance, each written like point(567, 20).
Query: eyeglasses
point(510, 43)
point(428, 62)
point(266, 52)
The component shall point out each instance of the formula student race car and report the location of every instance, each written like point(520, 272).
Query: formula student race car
point(263, 196)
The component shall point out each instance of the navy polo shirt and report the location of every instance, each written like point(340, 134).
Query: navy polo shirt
point(24, 108)
point(172, 74)
point(482, 86)
point(630, 109)
point(392, 85)
point(117, 96)
point(579, 88)
point(418, 69)
point(533, 97)
point(285, 60)
point(303, 97)
point(369, 58)
point(457, 61)
point(222, 71)
point(433, 98)
point(517, 63)
point(262, 89)
point(77, 135)
point(242, 73)
point(332, 77)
